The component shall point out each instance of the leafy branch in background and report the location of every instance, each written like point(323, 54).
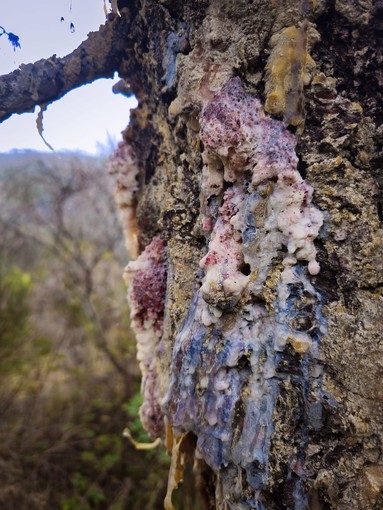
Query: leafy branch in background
point(15, 286)
point(67, 360)
point(12, 38)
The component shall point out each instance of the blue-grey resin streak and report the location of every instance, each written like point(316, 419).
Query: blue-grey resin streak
point(177, 42)
point(226, 376)
point(226, 381)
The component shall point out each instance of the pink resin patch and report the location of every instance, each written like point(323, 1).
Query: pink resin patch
point(241, 143)
point(148, 285)
point(223, 260)
point(146, 279)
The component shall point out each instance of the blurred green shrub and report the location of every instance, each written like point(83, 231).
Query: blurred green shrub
point(69, 382)
point(15, 286)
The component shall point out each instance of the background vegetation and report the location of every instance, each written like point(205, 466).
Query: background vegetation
point(69, 382)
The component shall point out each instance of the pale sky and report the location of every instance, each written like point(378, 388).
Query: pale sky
point(85, 117)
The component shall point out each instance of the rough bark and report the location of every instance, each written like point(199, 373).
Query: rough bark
point(268, 368)
point(316, 65)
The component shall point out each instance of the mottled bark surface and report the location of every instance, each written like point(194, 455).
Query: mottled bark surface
point(271, 368)
point(317, 65)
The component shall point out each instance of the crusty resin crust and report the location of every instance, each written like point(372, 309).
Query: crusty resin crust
point(146, 280)
point(255, 308)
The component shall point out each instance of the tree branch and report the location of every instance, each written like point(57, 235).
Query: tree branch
point(47, 80)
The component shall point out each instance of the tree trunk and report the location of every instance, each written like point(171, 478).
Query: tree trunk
point(249, 176)
point(274, 371)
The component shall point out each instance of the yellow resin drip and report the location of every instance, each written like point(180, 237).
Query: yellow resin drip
point(176, 470)
point(287, 74)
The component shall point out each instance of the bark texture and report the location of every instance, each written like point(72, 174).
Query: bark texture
point(256, 151)
point(317, 432)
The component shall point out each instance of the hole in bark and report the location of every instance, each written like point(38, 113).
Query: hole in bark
point(245, 269)
point(354, 209)
point(302, 168)
point(380, 211)
point(244, 362)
